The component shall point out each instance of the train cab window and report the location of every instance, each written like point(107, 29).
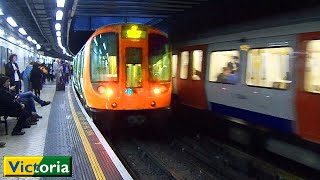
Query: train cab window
point(312, 67)
point(134, 67)
point(268, 67)
point(197, 64)
point(174, 65)
point(159, 58)
point(224, 67)
point(104, 57)
point(184, 65)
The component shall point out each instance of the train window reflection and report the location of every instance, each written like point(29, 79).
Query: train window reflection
point(268, 67)
point(312, 69)
point(104, 57)
point(159, 58)
point(224, 66)
point(184, 65)
point(134, 68)
point(197, 64)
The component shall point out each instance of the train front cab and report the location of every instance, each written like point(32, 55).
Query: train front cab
point(308, 90)
point(129, 78)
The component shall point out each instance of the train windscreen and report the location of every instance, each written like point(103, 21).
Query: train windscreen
point(104, 57)
point(159, 58)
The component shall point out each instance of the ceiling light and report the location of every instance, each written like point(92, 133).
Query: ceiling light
point(59, 38)
point(12, 39)
point(12, 22)
point(34, 41)
point(2, 32)
point(38, 46)
point(1, 12)
point(60, 3)
point(58, 33)
point(29, 38)
point(59, 15)
point(58, 26)
point(22, 31)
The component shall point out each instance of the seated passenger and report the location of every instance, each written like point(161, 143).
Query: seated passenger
point(12, 107)
point(233, 78)
point(223, 77)
point(29, 98)
point(196, 75)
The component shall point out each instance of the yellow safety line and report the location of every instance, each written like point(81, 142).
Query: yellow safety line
point(92, 157)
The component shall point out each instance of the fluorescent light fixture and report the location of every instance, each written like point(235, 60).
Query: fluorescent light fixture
point(58, 26)
point(12, 39)
point(59, 38)
point(34, 41)
point(59, 15)
point(29, 38)
point(104, 46)
point(58, 33)
point(22, 31)
point(2, 32)
point(60, 3)
point(38, 46)
point(1, 12)
point(12, 22)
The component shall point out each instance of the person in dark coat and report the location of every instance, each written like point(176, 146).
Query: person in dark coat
point(10, 105)
point(36, 79)
point(12, 71)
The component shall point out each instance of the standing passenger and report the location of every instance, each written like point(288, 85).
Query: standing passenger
point(36, 79)
point(12, 71)
point(26, 77)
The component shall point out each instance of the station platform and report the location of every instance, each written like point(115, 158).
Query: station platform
point(64, 130)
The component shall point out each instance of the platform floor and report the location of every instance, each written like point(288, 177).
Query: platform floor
point(63, 131)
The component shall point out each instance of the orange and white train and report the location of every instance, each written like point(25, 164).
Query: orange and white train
point(125, 69)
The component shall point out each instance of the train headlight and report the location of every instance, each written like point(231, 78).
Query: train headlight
point(109, 92)
point(156, 91)
point(101, 89)
point(153, 103)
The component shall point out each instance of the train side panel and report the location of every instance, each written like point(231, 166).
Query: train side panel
point(264, 106)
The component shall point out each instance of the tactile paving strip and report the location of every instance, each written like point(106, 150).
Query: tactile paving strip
point(63, 139)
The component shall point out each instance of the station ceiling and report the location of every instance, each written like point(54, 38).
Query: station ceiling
point(176, 17)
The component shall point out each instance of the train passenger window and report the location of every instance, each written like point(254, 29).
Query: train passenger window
point(197, 64)
point(224, 67)
point(134, 68)
point(159, 58)
point(174, 65)
point(312, 67)
point(268, 67)
point(104, 57)
point(184, 65)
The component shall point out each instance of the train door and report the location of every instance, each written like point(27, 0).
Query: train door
point(308, 91)
point(136, 71)
point(191, 76)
